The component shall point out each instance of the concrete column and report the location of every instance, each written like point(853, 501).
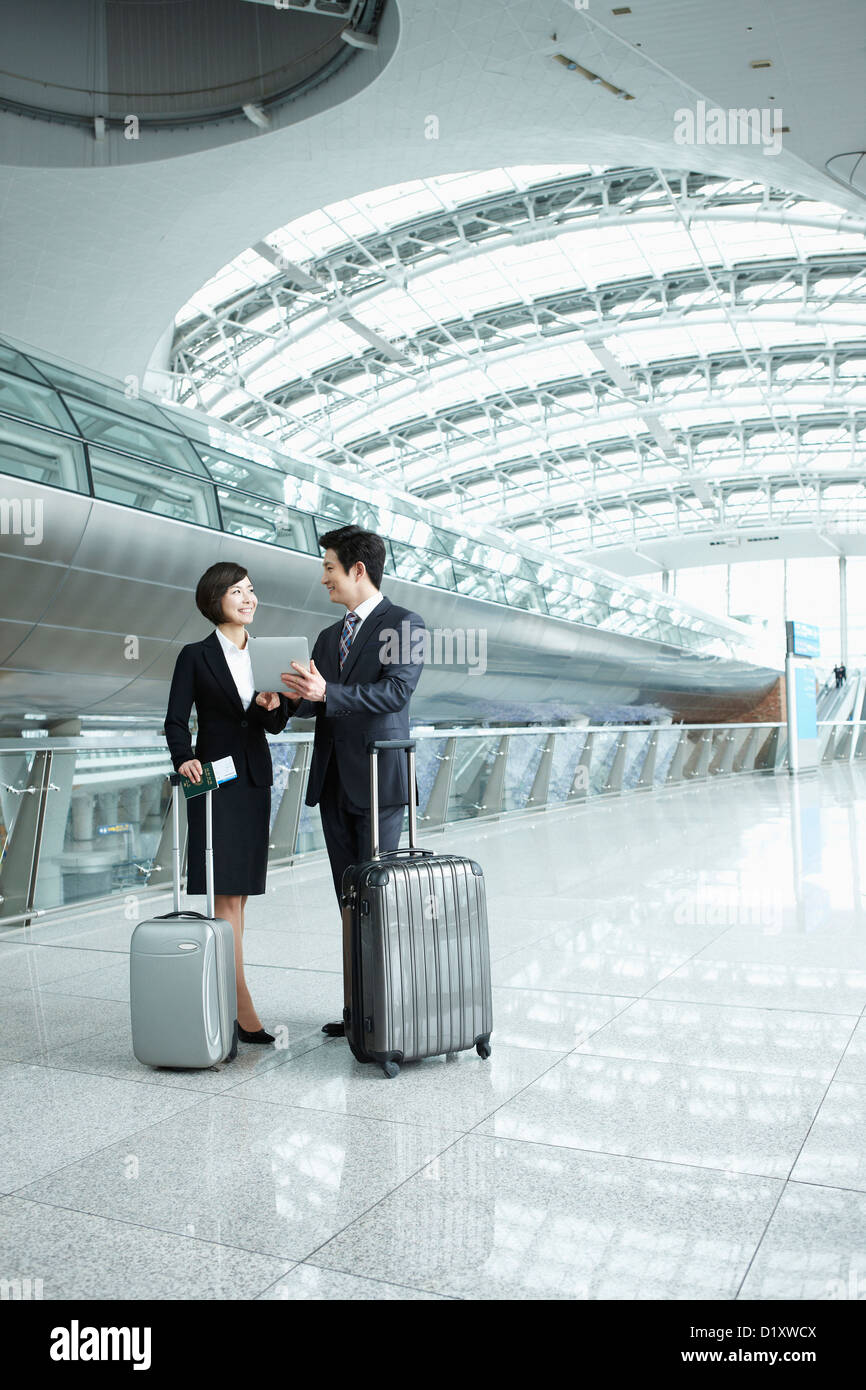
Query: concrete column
point(82, 816)
point(130, 801)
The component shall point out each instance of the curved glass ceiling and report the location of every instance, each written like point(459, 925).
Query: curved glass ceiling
point(585, 357)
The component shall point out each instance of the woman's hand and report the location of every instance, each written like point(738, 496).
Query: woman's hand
point(268, 699)
point(192, 770)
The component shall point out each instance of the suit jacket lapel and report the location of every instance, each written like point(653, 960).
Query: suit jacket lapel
point(368, 630)
point(215, 658)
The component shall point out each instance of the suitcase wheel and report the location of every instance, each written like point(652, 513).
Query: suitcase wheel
point(390, 1069)
point(482, 1047)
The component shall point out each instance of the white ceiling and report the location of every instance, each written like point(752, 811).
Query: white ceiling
point(95, 262)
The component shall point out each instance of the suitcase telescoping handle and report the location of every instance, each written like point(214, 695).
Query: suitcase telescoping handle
point(373, 749)
point(176, 780)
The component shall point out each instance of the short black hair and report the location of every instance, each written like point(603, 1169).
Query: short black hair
point(353, 543)
point(213, 586)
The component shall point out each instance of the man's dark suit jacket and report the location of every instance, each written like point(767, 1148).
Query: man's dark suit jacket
point(225, 729)
point(366, 700)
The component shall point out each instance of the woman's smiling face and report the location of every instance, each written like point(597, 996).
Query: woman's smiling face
point(239, 602)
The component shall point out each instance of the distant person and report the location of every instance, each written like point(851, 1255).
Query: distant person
point(216, 676)
point(838, 672)
point(844, 669)
point(357, 696)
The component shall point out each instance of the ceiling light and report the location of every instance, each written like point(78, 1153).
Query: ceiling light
point(760, 63)
point(593, 77)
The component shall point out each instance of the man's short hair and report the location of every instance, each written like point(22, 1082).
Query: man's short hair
point(213, 586)
point(351, 544)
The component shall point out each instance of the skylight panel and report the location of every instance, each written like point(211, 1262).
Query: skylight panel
point(813, 241)
point(376, 403)
point(665, 247)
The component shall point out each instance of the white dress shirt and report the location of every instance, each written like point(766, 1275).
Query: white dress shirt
point(241, 667)
point(363, 611)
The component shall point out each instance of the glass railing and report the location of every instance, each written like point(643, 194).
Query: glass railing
point(86, 819)
point(64, 429)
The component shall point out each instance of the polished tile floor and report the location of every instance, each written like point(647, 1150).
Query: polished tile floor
point(675, 1106)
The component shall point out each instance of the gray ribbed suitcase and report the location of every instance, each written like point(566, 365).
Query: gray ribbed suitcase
point(416, 960)
point(182, 988)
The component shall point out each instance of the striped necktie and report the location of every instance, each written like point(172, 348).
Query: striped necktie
point(349, 624)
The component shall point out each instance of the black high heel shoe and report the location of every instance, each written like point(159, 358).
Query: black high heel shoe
point(259, 1037)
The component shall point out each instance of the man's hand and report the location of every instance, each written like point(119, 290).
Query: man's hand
point(306, 685)
point(268, 699)
point(191, 769)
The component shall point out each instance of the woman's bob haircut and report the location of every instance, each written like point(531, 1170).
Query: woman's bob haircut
point(213, 586)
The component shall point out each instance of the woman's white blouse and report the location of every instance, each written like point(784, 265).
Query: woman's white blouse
point(240, 666)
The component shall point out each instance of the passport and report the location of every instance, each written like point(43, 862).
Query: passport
point(212, 776)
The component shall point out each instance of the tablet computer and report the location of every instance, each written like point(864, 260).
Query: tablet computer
point(271, 655)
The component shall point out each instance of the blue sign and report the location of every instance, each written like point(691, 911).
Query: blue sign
point(803, 639)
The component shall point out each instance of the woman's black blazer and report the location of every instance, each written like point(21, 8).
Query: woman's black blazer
point(225, 729)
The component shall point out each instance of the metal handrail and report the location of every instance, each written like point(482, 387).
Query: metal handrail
point(605, 760)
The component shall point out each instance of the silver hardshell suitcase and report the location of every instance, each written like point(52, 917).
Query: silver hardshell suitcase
point(416, 959)
point(182, 988)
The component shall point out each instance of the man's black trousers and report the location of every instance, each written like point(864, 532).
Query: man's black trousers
point(347, 827)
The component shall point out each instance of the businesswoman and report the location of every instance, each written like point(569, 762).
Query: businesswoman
point(216, 676)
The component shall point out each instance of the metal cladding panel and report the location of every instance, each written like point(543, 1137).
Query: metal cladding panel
point(137, 698)
point(138, 545)
point(11, 637)
point(47, 691)
point(102, 572)
point(132, 605)
point(33, 583)
point(63, 518)
point(66, 650)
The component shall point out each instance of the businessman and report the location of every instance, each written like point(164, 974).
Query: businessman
point(359, 691)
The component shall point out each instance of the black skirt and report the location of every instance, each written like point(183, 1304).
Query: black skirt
point(241, 830)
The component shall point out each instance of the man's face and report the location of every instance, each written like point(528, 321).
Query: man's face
point(341, 586)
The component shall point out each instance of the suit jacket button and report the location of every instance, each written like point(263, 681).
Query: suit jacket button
point(243, 723)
